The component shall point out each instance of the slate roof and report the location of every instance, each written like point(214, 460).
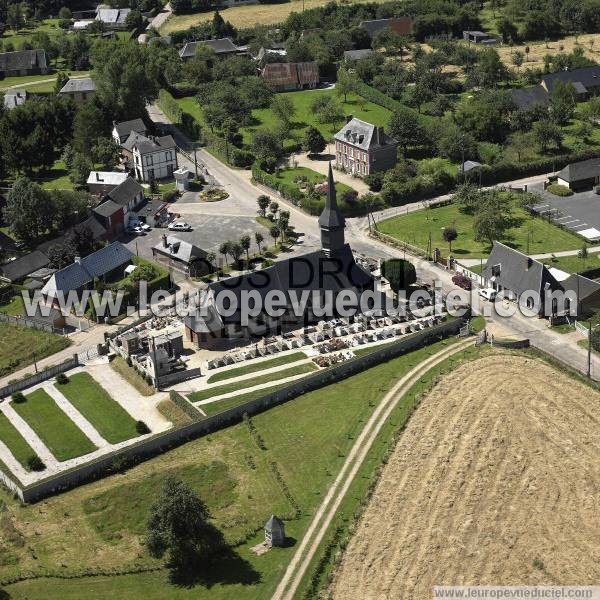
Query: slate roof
point(222, 46)
point(125, 192)
point(518, 272)
point(81, 84)
point(146, 145)
point(21, 267)
point(108, 208)
point(98, 231)
point(14, 98)
point(401, 25)
point(363, 135)
point(585, 169)
point(179, 249)
point(469, 165)
point(22, 60)
point(274, 524)
point(357, 54)
point(331, 217)
point(112, 16)
point(530, 96)
point(83, 272)
point(582, 286)
point(589, 77)
point(126, 127)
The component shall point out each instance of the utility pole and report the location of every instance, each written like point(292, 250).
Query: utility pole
point(195, 161)
point(589, 365)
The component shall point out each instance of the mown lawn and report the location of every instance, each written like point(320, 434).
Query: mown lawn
point(14, 306)
point(248, 383)
point(288, 176)
point(57, 178)
point(107, 416)
point(307, 439)
point(62, 437)
point(574, 264)
point(20, 346)
point(259, 366)
point(415, 227)
point(36, 83)
point(16, 443)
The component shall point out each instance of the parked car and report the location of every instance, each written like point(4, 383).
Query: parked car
point(180, 226)
point(136, 230)
point(488, 293)
point(462, 282)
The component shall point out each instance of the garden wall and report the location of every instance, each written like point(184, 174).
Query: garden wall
point(161, 442)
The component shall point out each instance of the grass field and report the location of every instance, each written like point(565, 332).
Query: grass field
point(129, 374)
point(13, 307)
point(62, 437)
point(248, 383)
point(20, 346)
point(16, 443)
point(36, 83)
point(107, 416)
point(246, 16)
point(307, 439)
point(415, 228)
point(57, 178)
point(260, 366)
point(17, 38)
point(574, 264)
point(302, 118)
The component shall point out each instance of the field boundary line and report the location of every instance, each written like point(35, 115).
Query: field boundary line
point(298, 565)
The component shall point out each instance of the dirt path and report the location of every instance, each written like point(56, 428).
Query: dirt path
point(326, 511)
point(498, 468)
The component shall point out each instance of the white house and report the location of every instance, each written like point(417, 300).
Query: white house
point(151, 157)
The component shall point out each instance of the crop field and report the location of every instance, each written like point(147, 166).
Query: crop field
point(492, 482)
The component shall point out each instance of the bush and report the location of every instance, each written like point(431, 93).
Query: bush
point(242, 158)
point(141, 427)
point(35, 463)
point(18, 398)
point(559, 190)
point(170, 196)
point(374, 181)
point(62, 379)
point(462, 281)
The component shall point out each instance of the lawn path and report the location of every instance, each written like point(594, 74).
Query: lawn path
point(314, 535)
point(75, 416)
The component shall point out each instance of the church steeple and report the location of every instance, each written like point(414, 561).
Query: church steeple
point(331, 220)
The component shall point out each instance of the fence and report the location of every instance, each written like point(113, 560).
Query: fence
point(161, 442)
point(479, 279)
point(36, 378)
point(32, 323)
point(582, 329)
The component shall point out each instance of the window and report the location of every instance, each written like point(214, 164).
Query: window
point(167, 155)
point(496, 270)
point(149, 160)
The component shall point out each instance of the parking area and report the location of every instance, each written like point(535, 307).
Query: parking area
point(580, 212)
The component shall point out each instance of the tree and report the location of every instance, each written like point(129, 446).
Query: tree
point(450, 234)
point(400, 273)
point(28, 210)
point(245, 244)
point(275, 233)
point(263, 203)
point(259, 239)
point(522, 143)
point(236, 250)
point(106, 152)
point(345, 83)
point(134, 21)
point(405, 127)
point(266, 145)
point(62, 254)
point(14, 16)
point(225, 250)
point(562, 102)
point(178, 525)
point(492, 217)
point(313, 142)
point(274, 207)
point(283, 108)
point(583, 253)
point(468, 197)
point(546, 134)
point(65, 13)
point(80, 169)
point(517, 58)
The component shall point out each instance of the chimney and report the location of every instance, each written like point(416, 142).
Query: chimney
point(164, 240)
point(77, 260)
point(380, 136)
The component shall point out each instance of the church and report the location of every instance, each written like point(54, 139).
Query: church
point(324, 273)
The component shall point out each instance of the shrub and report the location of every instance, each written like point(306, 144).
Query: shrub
point(462, 281)
point(374, 181)
point(35, 463)
point(141, 427)
point(170, 196)
point(18, 398)
point(242, 158)
point(559, 190)
point(62, 379)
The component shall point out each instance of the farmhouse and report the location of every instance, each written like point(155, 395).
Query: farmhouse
point(153, 157)
point(399, 25)
point(181, 256)
point(285, 77)
point(512, 271)
point(14, 98)
point(20, 268)
point(586, 81)
point(122, 130)
point(362, 148)
point(24, 62)
point(530, 96)
point(222, 47)
point(128, 195)
point(328, 271)
point(581, 175)
point(80, 274)
point(80, 89)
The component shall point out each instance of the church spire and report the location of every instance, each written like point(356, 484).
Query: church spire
point(331, 220)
